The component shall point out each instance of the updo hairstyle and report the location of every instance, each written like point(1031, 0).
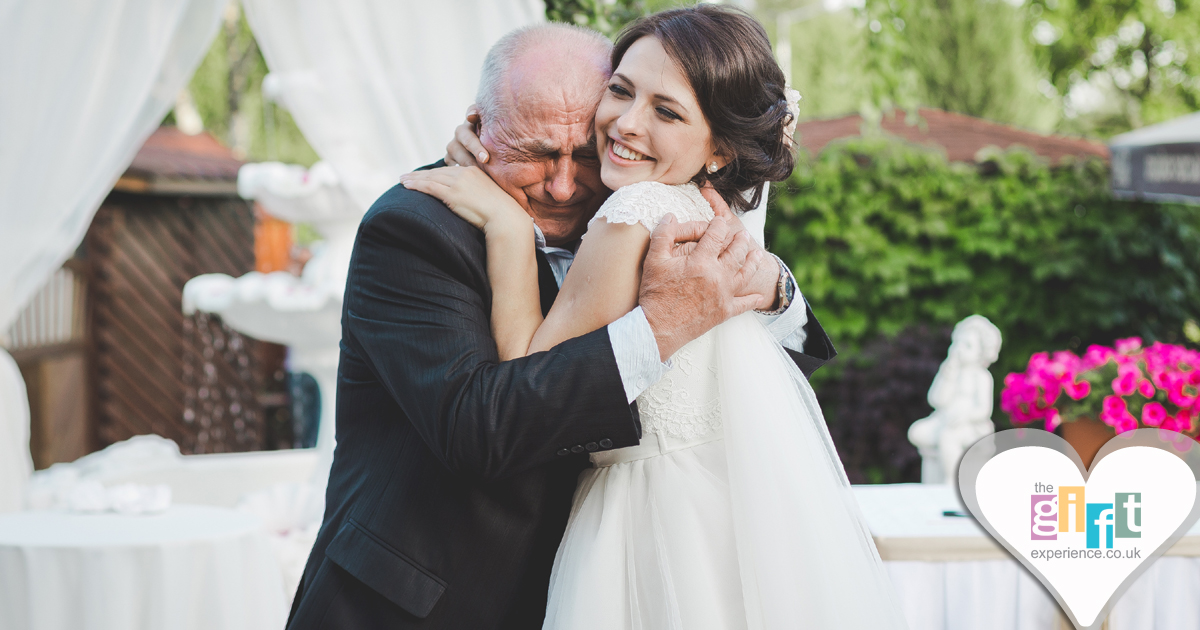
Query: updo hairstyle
point(726, 57)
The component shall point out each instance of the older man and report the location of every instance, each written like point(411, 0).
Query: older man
point(454, 472)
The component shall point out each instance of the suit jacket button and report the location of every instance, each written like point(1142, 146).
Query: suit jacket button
point(563, 452)
point(591, 446)
point(578, 448)
point(606, 443)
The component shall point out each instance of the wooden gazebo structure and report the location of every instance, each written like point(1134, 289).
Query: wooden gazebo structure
point(104, 348)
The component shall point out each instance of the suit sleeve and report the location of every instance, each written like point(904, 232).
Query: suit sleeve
point(818, 347)
point(419, 318)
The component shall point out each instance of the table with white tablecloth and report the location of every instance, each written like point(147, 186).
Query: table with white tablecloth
point(191, 567)
point(951, 575)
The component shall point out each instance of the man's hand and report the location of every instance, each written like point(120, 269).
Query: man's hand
point(683, 295)
point(466, 149)
point(766, 279)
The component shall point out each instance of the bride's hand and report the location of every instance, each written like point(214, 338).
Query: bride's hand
point(466, 149)
point(470, 194)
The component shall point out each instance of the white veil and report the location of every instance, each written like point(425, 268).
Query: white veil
point(807, 559)
point(756, 220)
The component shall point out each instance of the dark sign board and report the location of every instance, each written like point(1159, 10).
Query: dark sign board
point(1160, 162)
point(1165, 172)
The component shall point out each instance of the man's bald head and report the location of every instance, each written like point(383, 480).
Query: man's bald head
point(537, 101)
point(541, 60)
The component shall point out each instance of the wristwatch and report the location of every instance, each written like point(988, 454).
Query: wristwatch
point(786, 288)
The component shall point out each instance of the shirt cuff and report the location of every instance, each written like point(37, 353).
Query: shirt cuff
point(636, 352)
point(788, 326)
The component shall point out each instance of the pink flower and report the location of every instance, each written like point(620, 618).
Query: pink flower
point(1097, 356)
point(1038, 361)
point(1181, 394)
point(1153, 414)
point(1171, 423)
point(1128, 345)
point(1067, 363)
point(1053, 420)
point(1125, 384)
point(1186, 418)
point(1019, 398)
point(1052, 390)
point(1114, 410)
point(1125, 423)
point(1146, 388)
point(1078, 391)
point(1160, 377)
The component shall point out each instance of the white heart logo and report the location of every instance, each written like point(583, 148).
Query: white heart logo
point(1086, 535)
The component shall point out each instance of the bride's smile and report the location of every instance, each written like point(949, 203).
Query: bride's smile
point(649, 124)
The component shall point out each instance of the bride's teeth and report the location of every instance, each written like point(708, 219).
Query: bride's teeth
point(627, 153)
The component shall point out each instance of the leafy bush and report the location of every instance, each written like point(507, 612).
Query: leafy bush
point(883, 235)
point(879, 392)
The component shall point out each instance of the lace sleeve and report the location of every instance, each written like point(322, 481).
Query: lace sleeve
point(649, 202)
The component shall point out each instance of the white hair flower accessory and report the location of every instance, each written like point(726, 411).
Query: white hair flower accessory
point(793, 106)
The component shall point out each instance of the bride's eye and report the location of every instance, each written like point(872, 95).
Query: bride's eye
point(668, 114)
point(618, 90)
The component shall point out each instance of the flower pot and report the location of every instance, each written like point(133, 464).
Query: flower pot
point(1086, 436)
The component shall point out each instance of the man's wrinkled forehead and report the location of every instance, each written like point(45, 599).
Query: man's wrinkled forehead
point(550, 99)
point(549, 114)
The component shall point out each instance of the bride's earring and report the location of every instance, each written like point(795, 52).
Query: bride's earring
point(712, 167)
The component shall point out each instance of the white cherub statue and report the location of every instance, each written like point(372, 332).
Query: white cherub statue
point(961, 397)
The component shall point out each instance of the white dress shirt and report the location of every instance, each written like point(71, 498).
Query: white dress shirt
point(633, 341)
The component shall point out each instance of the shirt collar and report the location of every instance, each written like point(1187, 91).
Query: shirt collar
point(539, 240)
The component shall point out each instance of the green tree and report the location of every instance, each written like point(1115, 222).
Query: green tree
point(607, 17)
point(828, 56)
point(968, 56)
point(226, 92)
point(1138, 60)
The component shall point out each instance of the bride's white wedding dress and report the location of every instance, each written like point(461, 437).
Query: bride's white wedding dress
point(734, 511)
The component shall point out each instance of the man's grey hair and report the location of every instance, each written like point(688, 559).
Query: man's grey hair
point(510, 47)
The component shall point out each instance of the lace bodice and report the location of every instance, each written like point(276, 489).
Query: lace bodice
point(685, 403)
point(648, 202)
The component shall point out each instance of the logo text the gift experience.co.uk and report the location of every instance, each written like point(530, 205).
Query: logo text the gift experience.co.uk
point(1066, 512)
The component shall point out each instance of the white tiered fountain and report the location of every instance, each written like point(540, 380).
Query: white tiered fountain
point(302, 313)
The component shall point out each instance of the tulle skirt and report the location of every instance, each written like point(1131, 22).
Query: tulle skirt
point(754, 526)
point(650, 544)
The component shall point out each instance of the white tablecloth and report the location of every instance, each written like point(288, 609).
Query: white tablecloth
point(192, 567)
point(950, 575)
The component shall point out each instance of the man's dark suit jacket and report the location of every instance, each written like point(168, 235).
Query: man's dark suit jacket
point(454, 473)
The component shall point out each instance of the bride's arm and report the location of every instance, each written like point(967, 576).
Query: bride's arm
point(601, 286)
point(511, 261)
point(512, 271)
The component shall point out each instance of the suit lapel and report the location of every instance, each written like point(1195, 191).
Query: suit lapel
point(547, 285)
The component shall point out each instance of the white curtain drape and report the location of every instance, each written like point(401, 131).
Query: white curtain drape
point(84, 83)
point(377, 86)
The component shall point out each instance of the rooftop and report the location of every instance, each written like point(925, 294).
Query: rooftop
point(959, 135)
point(172, 162)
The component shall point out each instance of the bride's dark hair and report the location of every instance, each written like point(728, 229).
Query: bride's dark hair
point(726, 57)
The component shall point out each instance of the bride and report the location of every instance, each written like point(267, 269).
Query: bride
point(734, 511)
